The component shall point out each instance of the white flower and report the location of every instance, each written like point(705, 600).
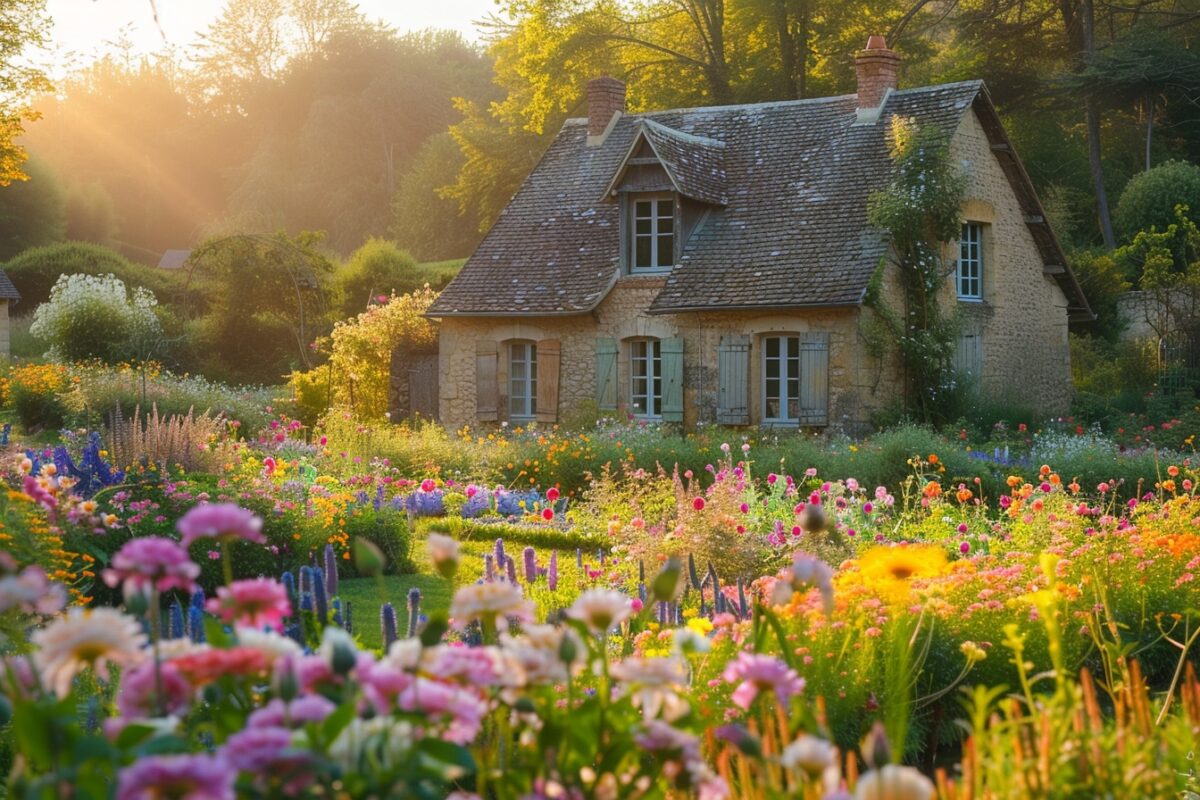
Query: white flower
point(654, 684)
point(601, 609)
point(809, 754)
point(489, 600)
point(174, 648)
point(86, 637)
point(687, 641)
point(538, 651)
point(893, 782)
point(269, 643)
point(404, 654)
point(443, 552)
point(381, 741)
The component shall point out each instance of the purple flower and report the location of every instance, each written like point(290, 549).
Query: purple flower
point(552, 571)
point(302, 710)
point(222, 521)
point(531, 570)
point(178, 777)
point(759, 673)
point(257, 749)
point(152, 562)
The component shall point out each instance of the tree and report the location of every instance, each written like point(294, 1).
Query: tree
point(377, 269)
point(23, 25)
point(425, 221)
point(91, 216)
point(32, 212)
point(1150, 200)
point(90, 316)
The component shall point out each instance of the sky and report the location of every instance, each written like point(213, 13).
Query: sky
point(85, 27)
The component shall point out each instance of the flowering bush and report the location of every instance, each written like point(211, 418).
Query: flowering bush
point(90, 316)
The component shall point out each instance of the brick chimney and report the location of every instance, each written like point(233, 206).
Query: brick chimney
point(876, 68)
point(605, 98)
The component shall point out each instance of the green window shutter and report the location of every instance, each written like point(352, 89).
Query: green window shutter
point(733, 375)
point(814, 379)
point(487, 389)
point(672, 380)
point(606, 374)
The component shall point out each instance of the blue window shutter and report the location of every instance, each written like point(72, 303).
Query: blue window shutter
point(606, 373)
point(672, 380)
point(733, 376)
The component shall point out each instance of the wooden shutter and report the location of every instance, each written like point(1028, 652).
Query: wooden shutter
point(672, 380)
point(606, 373)
point(733, 377)
point(548, 361)
point(487, 390)
point(814, 379)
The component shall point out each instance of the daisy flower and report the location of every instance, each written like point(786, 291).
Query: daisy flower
point(86, 638)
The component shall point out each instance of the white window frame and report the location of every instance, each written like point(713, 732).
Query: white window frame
point(522, 389)
point(656, 221)
point(645, 378)
point(787, 361)
point(968, 275)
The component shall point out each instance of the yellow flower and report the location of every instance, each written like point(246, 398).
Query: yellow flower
point(890, 569)
point(701, 625)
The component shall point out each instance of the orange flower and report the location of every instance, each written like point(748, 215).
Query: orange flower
point(205, 666)
point(933, 459)
point(932, 489)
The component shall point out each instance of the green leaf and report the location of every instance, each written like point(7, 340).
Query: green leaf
point(215, 634)
point(132, 735)
point(337, 721)
point(32, 726)
point(449, 753)
point(434, 629)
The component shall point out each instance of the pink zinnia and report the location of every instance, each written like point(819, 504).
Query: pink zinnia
point(222, 521)
point(255, 603)
point(698, 504)
point(460, 708)
point(152, 562)
point(759, 673)
point(139, 697)
point(257, 749)
point(177, 777)
point(428, 485)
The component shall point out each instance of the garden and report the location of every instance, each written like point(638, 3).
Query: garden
point(206, 596)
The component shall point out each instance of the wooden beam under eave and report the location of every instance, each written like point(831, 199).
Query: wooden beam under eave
point(1053, 269)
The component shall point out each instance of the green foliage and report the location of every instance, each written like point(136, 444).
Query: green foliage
point(426, 222)
point(388, 530)
point(35, 271)
point(1103, 281)
point(91, 215)
point(1149, 200)
point(920, 212)
point(268, 304)
point(534, 535)
point(96, 317)
point(33, 211)
point(377, 269)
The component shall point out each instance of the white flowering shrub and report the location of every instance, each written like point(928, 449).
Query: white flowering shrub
point(96, 316)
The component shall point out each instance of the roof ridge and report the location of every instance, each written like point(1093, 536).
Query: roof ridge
point(684, 136)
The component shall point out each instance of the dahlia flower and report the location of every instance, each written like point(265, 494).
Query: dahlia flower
point(255, 603)
point(152, 562)
point(222, 521)
point(487, 601)
point(759, 673)
point(601, 609)
point(177, 777)
point(86, 637)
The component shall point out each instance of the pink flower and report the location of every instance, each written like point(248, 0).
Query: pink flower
point(184, 777)
point(552, 494)
point(460, 708)
point(428, 485)
point(256, 603)
point(547, 514)
point(221, 521)
point(152, 562)
point(759, 673)
point(139, 697)
point(698, 504)
point(301, 711)
point(257, 750)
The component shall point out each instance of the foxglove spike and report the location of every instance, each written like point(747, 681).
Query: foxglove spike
point(489, 567)
point(387, 622)
point(552, 572)
point(198, 599)
point(414, 610)
point(531, 570)
point(499, 552)
point(289, 584)
point(320, 599)
point(331, 571)
point(510, 567)
point(306, 602)
point(175, 626)
point(196, 625)
point(306, 580)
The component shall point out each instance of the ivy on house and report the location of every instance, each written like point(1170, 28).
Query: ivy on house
point(920, 211)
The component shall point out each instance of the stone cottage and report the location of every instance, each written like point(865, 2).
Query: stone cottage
point(709, 265)
point(9, 296)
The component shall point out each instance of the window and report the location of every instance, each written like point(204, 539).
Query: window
point(970, 262)
point(795, 379)
point(645, 373)
point(522, 380)
point(781, 379)
point(653, 235)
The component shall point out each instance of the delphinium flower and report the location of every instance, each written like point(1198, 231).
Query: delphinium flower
point(755, 673)
point(552, 572)
point(601, 610)
point(86, 637)
point(255, 603)
point(529, 556)
point(387, 622)
point(184, 777)
point(151, 563)
point(414, 610)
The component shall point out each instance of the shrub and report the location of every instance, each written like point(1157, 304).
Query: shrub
point(378, 268)
point(96, 317)
point(36, 393)
point(311, 393)
point(1149, 199)
point(387, 529)
point(35, 271)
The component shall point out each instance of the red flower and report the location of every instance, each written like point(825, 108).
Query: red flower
point(547, 514)
point(552, 494)
point(698, 504)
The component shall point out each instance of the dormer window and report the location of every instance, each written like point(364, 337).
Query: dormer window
point(653, 240)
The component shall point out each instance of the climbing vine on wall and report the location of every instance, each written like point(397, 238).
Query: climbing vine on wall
point(920, 211)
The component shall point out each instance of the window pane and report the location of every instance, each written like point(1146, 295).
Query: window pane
point(642, 208)
point(666, 208)
point(666, 224)
point(645, 227)
point(793, 346)
point(772, 346)
point(666, 254)
point(642, 254)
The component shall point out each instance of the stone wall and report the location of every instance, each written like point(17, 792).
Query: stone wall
point(5, 333)
point(1022, 319)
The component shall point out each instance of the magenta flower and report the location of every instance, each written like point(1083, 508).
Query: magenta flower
point(222, 521)
point(152, 562)
point(759, 673)
point(177, 777)
point(139, 698)
point(257, 749)
point(301, 711)
point(256, 603)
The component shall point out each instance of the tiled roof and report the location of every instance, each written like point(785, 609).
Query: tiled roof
point(788, 227)
point(7, 290)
